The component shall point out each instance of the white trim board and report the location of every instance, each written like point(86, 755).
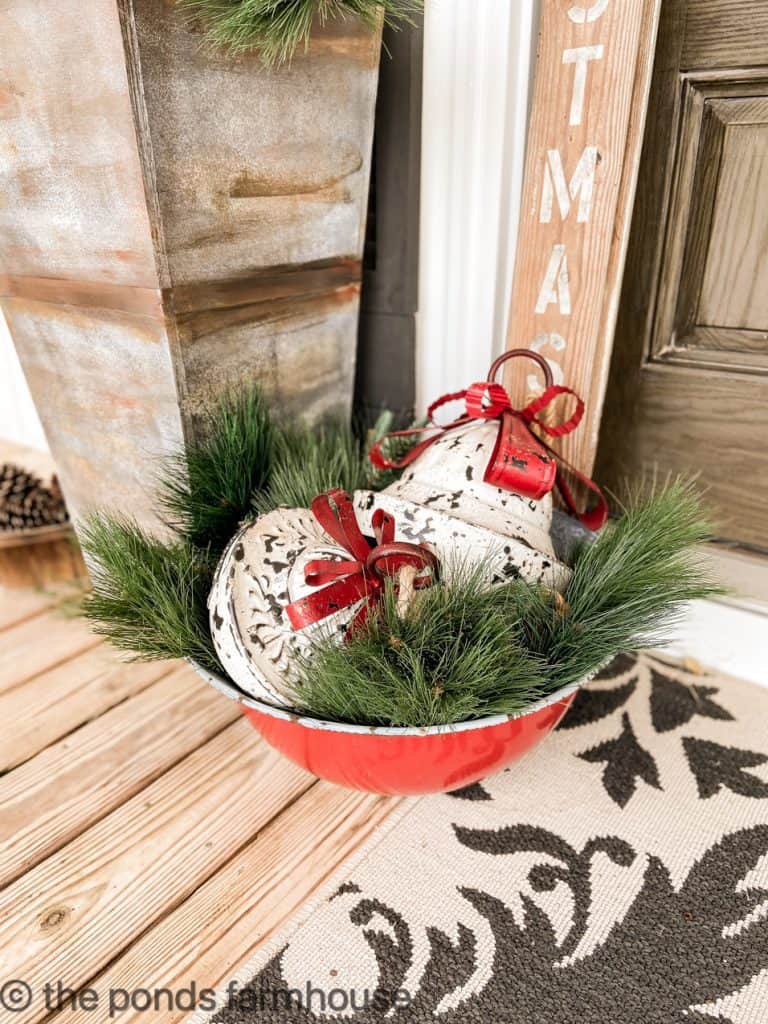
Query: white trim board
point(729, 637)
point(477, 74)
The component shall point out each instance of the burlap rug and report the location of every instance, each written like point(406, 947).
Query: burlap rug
point(618, 873)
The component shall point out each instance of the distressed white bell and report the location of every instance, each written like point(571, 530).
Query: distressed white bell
point(448, 477)
point(260, 573)
point(442, 500)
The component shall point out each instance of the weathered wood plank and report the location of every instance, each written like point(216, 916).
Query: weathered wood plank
point(75, 912)
point(642, 277)
point(45, 708)
point(733, 290)
point(239, 908)
point(71, 785)
point(39, 644)
point(592, 75)
point(17, 605)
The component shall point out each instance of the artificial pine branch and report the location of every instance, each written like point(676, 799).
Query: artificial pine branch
point(149, 597)
point(276, 28)
point(454, 656)
point(210, 487)
point(627, 588)
point(309, 460)
point(394, 448)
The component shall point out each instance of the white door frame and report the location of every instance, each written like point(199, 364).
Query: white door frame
point(478, 66)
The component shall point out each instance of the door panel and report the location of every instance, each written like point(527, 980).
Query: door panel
point(739, 235)
point(724, 33)
point(713, 304)
point(689, 379)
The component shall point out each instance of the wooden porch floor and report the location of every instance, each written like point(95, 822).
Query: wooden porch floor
point(148, 837)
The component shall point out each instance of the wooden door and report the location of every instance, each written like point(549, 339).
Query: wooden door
point(688, 389)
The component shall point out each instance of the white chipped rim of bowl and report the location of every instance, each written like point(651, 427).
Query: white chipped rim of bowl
point(233, 692)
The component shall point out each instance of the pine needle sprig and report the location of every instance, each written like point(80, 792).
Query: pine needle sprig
point(627, 588)
point(277, 28)
point(452, 657)
point(394, 448)
point(309, 460)
point(207, 489)
point(149, 597)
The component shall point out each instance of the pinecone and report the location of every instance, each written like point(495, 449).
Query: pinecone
point(25, 501)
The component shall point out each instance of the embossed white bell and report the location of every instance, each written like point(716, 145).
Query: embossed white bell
point(442, 500)
point(259, 574)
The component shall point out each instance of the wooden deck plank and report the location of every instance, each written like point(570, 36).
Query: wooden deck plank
point(71, 785)
point(16, 605)
point(39, 644)
point(76, 911)
point(222, 924)
point(56, 702)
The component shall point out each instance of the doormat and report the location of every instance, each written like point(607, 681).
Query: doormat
point(618, 874)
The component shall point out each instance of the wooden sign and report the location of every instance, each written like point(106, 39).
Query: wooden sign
point(584, 139)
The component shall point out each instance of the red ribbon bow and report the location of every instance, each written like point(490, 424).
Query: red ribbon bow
point(363, 578)
point(521, 461)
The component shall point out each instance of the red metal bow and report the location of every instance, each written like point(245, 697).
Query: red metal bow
point(362, 578)
point(520, 462)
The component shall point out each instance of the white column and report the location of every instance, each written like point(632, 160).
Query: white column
point(478, 63)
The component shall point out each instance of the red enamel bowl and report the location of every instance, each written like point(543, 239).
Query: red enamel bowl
point(403, 761)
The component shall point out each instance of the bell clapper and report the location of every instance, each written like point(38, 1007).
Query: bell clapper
point(405, 589)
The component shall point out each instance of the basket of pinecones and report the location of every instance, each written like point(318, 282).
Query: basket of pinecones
point(37, 542)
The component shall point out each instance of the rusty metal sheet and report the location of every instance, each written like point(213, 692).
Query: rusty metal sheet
point(106, 395)
point(256, 167)
point(261, 182)
point(302, 360)
point(71, 181)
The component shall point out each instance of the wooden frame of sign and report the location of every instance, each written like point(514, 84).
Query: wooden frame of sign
point(593, 75)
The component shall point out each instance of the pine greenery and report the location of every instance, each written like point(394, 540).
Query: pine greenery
point(627, 588)
point(276, 28)
point(149, 597)
point(210, 487)
point(310, 460)
point(455, 656)
point(438, 665)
